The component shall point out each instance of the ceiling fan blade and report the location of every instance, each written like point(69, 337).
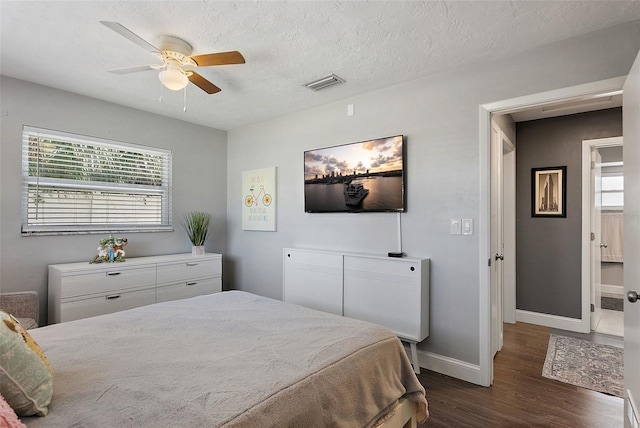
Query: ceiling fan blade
point(203, 83)
point(132, 69)
point(220, 58)
point(130, 35)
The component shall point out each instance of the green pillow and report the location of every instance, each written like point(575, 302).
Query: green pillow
point(26, 380)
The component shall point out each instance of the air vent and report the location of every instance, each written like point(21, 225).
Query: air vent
point(324, 82)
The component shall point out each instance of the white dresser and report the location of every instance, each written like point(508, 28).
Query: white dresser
point(391, 292)
point(80, 290)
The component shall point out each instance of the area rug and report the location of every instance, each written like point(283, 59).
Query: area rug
point(585, 364)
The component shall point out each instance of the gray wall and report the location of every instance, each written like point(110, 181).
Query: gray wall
point(548, 250)
point(199, 178)
point(439, 116)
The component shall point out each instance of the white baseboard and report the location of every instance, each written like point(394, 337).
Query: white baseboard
point(617, 290)
point(553, 321)
point(449, 366)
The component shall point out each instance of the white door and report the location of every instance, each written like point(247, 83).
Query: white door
point(508, 230)
point(502, 255)
point(631, 156)
point(496, 239)
point(596, 237)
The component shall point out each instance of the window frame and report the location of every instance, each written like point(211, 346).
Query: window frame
point(104, 188)
point(612, 170)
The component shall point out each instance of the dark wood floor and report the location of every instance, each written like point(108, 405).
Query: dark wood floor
point(520, 396)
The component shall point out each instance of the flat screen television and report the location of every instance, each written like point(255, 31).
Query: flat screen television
point(367, 176)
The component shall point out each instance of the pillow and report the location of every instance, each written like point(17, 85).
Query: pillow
point(8, 417)
point(26, 380)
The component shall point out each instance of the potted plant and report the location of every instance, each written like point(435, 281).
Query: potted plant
point(196, 224)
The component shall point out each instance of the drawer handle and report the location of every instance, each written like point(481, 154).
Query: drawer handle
point(412, 268)
point(192, 264)
point(192, 283)
point(113, 296)
point(113, 273)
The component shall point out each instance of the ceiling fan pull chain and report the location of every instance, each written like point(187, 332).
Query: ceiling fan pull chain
point(161, 99)
point(184, 109)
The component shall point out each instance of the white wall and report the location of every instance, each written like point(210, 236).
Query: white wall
point(439, 116)
point(199, 178)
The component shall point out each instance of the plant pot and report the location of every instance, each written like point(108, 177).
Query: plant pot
point(197, 250)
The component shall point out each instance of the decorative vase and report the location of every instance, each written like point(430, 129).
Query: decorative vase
point(197, 250)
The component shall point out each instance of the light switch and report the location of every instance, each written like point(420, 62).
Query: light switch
point(467, 226)
point(455, 226)
point(349, 109)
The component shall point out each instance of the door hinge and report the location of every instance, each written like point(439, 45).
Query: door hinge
point(489, 264)
point(593, 236)
point(593, 165)
point(593, 307)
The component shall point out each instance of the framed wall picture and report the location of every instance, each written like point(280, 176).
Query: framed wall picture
point(548, 192)
point(259, 199)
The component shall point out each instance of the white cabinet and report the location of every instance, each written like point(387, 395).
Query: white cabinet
point(392, 292)
point(80, 290)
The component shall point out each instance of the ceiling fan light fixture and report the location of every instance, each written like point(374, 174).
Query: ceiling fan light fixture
point(173, 79)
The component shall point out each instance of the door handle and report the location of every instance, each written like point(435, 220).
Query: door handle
point(499, 256)
point(632, 296)
point(603, 245)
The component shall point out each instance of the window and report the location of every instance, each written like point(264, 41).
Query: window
point(612, 185)
point(72, 183)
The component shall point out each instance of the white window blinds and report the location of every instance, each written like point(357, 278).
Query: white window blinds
point(73, 183)
point(612, 185)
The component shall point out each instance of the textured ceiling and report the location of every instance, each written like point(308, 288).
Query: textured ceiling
point(286, 44)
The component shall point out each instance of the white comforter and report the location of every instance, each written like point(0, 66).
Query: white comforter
point(229, 359)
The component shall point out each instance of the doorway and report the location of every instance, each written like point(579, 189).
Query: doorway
point(487, 320)
point(602, 232)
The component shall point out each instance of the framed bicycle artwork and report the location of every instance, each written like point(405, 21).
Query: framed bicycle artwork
point(549, 192)
point(259, 199)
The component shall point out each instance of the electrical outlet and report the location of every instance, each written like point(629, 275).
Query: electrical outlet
point(349, 109)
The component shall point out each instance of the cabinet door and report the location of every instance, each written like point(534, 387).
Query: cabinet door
point(384, 292)
point(313, 279)
point(185, 289)
point(82, 308)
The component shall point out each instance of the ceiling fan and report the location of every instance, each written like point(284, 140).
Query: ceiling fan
point(176, 70)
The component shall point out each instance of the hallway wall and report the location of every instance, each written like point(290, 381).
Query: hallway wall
point(548, 250)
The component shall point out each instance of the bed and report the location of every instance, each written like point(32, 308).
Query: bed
point(230, 359)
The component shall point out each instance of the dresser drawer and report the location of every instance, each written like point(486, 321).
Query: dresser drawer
point(185, 289)
point(73, 309)
point(188, 269)
point(107, 281)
